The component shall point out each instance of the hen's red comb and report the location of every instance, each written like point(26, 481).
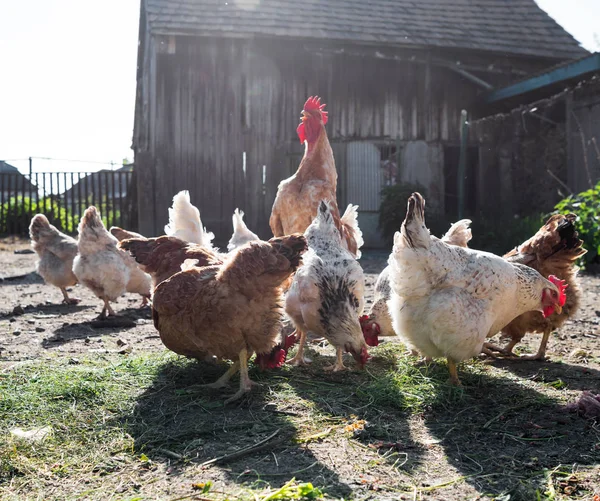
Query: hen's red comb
point(313, 103)
point(562, 287)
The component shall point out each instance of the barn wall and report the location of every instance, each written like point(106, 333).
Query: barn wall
point(215, 99)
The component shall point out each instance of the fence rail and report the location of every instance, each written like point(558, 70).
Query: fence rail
point(64, 196)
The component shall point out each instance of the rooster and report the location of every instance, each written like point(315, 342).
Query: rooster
point(298, 197)
point(326, 296)
point(103, 268)
point(231, 310)
point(552, 250)
point(446, 300)
point(241, 233)
point(378, 321)
point(57, 252)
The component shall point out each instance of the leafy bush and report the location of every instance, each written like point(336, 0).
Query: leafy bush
point(502, 235)
point(18, 211)
point(392, 211)
point(587, 206)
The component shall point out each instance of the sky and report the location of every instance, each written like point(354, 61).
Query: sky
point(67, 77)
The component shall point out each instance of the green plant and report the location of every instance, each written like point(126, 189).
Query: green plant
point(501, 235)
point(587, 207)
point(393, 210)
point(17, 211)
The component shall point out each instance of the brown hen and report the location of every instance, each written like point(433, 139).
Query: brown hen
point(231, 310)
point(553, 250)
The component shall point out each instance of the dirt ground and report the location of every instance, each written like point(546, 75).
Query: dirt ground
point(504, 436)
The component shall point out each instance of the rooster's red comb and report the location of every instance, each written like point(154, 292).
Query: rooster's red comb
point(562, 287)
point(313, 103)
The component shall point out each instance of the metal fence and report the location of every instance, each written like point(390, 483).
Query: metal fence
point(64, 196)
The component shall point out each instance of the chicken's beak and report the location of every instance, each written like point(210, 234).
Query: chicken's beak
point(557, 308)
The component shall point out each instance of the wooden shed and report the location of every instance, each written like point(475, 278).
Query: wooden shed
point(220, 86)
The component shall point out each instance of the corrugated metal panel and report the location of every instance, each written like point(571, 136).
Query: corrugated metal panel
point(369, 164)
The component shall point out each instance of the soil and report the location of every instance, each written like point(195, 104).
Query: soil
point(500, 435)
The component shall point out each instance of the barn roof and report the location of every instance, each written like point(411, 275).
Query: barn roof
point(510, 27)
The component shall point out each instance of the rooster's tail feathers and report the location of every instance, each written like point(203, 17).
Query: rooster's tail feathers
point(351, 228)
point(185, 222)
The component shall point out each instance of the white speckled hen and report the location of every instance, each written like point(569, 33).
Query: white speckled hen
point(326, 296)
point(446, 300)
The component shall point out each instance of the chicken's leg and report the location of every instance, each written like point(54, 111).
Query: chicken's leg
point(453, 373)
point(299, 358)
point(541, 353)
point(339, 362)
point(491, 350)
point(145, 301)
point(67, 299)
point(107, 308)
point(245, 382)
point(224, 379)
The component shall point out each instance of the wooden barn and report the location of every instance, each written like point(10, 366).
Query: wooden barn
point(220, 87)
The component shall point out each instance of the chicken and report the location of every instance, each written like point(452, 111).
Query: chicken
point(185, 222)
point(106, 270)
point(446, 300)
point(230, 311)
point(162, 257)
point(56, 252)
point(298, 197)
point(241, 233)
point(121, 234)
point(378, 321)
point(552, 250)
point(326, 296)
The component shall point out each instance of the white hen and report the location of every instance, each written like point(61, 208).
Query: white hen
point(185, 222)
point(241, 234)
point(378, 321)
point(103, 268)
point(326, 296)
point(446, 300)
point(57, 252)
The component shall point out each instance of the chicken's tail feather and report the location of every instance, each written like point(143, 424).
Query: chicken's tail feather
point(121, 234)
point(351, 231)
point(185, 222)
point(39, 227)
point(238, 221)
point(291, 247)
point(139, 248)
point(459, 233)
point(414, 233)
point(570, 237)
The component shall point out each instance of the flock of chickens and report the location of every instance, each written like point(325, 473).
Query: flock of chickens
point(440, 297)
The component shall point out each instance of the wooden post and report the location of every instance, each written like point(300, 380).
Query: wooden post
point(464, 130)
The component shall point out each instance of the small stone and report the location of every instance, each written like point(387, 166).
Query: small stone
point(74, 361)
point(18, 310)
point(12, 320)
point(39, 329)
point(16, 333)
point(86, 340)
point(30, 322)
point(120, 342)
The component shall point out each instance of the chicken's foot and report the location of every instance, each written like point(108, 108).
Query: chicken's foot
point(339, 362)
point(453, 373)
point(541, 353)
point(299, 358)
point(493, 351)
point(67, 299)
point(224, 379)
point(107, 308)
point(145, 301)
point(245, 382)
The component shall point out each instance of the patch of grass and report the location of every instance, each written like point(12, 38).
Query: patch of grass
point(79, 403)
